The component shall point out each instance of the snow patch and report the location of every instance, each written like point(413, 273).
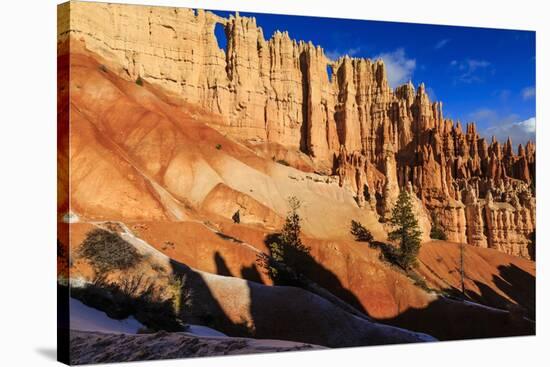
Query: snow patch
point(71, 217)
point(85, 318)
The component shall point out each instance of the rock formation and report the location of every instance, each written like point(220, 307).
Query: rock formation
point(351, 123)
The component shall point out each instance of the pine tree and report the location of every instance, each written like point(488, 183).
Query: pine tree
point(290, 243)
point(406, 230)
point(286, 248)
point(290, 235)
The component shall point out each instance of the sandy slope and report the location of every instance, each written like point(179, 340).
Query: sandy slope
point(491, 277)
point(236, 306)
point(356, 274)
point(139, 155)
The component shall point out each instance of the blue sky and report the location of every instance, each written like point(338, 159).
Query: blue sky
point(482, 75)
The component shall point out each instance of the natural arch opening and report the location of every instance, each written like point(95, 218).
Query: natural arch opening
point(329, 72)
point(221, 37)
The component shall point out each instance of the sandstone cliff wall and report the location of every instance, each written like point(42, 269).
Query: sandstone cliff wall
point(377, 140)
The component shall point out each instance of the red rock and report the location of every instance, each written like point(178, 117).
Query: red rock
point(277, 91)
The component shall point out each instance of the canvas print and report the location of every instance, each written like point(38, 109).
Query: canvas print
point(235, 183)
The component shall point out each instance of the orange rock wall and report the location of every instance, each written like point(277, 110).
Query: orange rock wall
point(277, 90)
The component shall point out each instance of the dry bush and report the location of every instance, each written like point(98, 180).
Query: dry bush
point(156, 304)
point(108, 251)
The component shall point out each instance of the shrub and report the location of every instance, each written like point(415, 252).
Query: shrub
point(437, 232)
point(418, 280)
point(218, 146)
point(139, 81)
point(283, 162)
point(108, 251)
point(236, 217)
point(360, 233)
point(102, 68)
point(137, 295)
point(406, 230)
point(180, 295)
point(168, 244)
point(388, 252)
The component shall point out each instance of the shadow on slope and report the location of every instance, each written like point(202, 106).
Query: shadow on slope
point(444, 318)
point(204, 308)
point(448, 319)
point(305, 269)
point(516, 284)
point(251, 273)
point(247, 272)
point(245, 308)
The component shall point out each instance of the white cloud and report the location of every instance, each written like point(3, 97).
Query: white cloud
point(476, 64)
point(336, 54)
point(470, 70)
point(528, 93)
point(504, 126)
point(441, 43)
point(484, 115)
point(399, 68)
point(520, 131)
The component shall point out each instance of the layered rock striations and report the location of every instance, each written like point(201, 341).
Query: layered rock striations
point(342, 113)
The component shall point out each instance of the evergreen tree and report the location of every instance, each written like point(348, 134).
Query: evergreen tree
point(290, 235)
point(406, 230)
point(286, 248)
